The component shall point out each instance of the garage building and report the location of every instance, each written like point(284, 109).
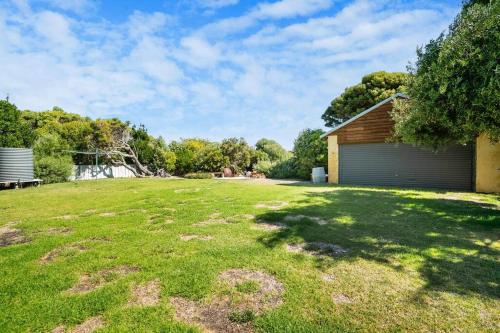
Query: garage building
point(359, 154)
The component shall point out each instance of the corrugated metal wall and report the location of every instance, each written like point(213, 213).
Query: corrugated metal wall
point(16, 164)
point(384, 164)
point(87, 172)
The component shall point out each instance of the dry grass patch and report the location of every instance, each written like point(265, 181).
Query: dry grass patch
point(268, 226)
point(274, 205)
point(328, 277)
point(315, 219)
point(69, 250)
point(341, 299)
point(317, 249)
point(187, 190)
point(88, 326)
point(90, 282)
point(198, 237)
point(66, 217)
point(242, 295)
point(10, 235)
point(214, 218)
point(146, 294)
point(107, 214)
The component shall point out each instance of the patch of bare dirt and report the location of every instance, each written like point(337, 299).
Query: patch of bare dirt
point(107, 214)
point(214, 218)
point(328, 277)
point(100, 239)
point(66, 217)
point(317, 249)
point(212, 318)
point(274, 205)
point(90, 282)
point(268, 226)
point(233, 310)
point(88, 326)
point(198, 237)
point(315, 219)
point(10, 235)
point(58, 231)
point(341, 299)
point(146, 294)
point(71, 249)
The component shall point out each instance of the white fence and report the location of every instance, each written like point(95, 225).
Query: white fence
point(86, 172)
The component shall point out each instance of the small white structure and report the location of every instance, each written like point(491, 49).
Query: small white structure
point(318, 175)
point(87, 172)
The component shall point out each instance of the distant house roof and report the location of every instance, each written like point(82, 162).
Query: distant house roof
point(347, 122)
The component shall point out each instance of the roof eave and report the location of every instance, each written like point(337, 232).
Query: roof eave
point(347, 122)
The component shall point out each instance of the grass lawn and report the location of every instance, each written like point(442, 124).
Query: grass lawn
point(178, 255)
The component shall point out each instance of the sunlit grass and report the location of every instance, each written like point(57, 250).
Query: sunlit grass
point(416, 260)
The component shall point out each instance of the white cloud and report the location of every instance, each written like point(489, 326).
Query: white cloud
point(77, 6)
point(140, 24)
point(290, 8)
point(267, 10)
point(215, 4)
point(198, 52)
point(271, 78)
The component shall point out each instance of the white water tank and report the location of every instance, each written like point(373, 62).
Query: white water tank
point(16, 164)
point(318, 175)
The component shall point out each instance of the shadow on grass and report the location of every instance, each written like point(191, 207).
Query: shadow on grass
point(451, 244)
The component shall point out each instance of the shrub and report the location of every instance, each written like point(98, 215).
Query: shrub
point(263, 166)
point(53, 169)
point(199, 175)
point(310, 151)
point(284, 169)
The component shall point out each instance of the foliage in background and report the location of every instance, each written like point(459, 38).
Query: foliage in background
point(199, 175)
point(238, 152)
point(273, 160)
point(272, 149)
point(52, 163)
point(152, 151)
point(210, 158)
point(14, 133)
point(185, 152)
point(455, 83)
point(310, 151)
point(374, 88)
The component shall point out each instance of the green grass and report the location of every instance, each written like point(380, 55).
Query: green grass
point(416, 260)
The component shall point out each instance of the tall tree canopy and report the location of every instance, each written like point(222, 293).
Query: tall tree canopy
point(14, 133)
point(374, 87)
point(455, 83)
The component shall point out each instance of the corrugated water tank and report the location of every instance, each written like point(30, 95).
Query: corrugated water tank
point(16, 164)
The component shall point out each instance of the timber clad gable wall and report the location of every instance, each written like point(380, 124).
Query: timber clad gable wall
point(374, 127)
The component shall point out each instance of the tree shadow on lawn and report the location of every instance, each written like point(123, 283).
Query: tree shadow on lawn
point(451, 245)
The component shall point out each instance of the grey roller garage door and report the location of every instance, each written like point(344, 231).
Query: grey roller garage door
point(385, 164)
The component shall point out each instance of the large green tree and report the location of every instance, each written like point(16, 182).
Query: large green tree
point(238, 153)
point(455, 83)
point(14, 132)
point(310, 151)
point(374, 88)
point(273, 150)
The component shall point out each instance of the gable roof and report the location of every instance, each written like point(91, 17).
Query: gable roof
point(347, 122)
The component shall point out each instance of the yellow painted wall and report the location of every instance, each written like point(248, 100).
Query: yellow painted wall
point(487, 165)
point(333, 160)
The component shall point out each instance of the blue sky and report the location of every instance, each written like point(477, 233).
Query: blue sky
point(206, 68)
